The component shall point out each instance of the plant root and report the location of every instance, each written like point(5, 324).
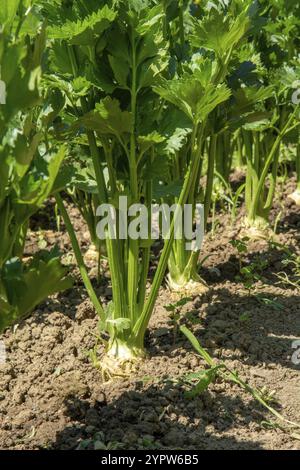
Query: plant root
point(119, 362)
point(111, 368)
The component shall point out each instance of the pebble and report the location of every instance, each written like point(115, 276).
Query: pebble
point(259, 373)
point(161, 332)
point(23, 417)
point(173, 437)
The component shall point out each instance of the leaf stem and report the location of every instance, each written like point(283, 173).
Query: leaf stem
point(79, 258)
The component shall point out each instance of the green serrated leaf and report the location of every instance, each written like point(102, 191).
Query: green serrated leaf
point(120, 69)
point(28, 285)
point(82, 32)
point(108, 118)
point(220, 33)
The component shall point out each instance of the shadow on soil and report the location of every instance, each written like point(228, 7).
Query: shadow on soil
point(160, 417)
point(266, 263)
point(254, 329)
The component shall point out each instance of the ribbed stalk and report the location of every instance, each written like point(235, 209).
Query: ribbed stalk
point(79, 258)
point(182, 264)
point(133, 252)
point(295, 196)
point(142, 322)
point(259, 185)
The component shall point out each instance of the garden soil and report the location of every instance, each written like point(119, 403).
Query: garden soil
point(52, 391)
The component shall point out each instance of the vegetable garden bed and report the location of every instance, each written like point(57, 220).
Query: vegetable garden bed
point(52, 396)
point(131, 131)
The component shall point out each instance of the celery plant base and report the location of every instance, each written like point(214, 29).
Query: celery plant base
point(295, 196)
point(122, 351)
point(111, 368)
point(257, 229)
point(120, 360)
point(187, 286)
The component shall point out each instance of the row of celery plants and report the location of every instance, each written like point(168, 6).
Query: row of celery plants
point(126, 103)
point(145, 98)
point(28, 168)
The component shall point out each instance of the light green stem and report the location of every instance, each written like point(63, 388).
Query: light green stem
point(142, 323)
point(133, 253)
point(79, 258)
point(264, 173)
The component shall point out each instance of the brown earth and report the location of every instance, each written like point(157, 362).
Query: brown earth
point(52, 396)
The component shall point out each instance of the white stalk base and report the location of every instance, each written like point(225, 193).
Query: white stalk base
point(119, 360)
point(295, 196)
point(191, 287)
point(257, 229)
point(120, 351)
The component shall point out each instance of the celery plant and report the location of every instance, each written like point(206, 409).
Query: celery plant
point(119, 68)
point(217, 33)
point(263, 142)
point(27, 170)
point(115, 55)
point(277, 45)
